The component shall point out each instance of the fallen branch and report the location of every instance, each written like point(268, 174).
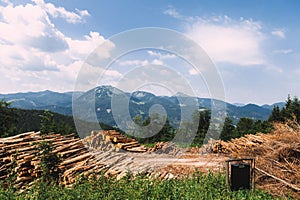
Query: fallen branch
point(294, 187)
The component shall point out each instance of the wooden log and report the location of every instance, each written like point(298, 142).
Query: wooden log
point(72, 151)
point(63, 142)
point(131, 146)
point(23, 178)
point(290, 185)
point(137, 149)
point(21, 157)
point(122, 139)
point(31, 133)
point(26, 148)
point(77, 159)
point(71, 145)
point(18, 140)
point(122, 145)
point(15, 146)
point(28, 158)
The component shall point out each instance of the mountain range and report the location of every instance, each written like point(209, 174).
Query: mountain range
point(140, 103)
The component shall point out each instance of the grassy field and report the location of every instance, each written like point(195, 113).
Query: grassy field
point(200, 186)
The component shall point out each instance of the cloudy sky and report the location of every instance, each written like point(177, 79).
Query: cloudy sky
point(254, 44)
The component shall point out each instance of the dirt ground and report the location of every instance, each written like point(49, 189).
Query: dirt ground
point(186, 163)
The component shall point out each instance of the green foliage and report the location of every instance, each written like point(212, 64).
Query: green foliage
point(228, 131)
point(245, 126)
point(289, 111)
point(47, 123)
point(201, 121)
point(199, 186)
point(7, 119)
point(276, 115)
point(49, 161)
point(154, 122)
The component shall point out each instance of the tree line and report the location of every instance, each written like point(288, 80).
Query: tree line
point(14, 121)
point(201, 123)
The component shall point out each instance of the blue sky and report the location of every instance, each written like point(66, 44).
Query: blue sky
point(254, 44)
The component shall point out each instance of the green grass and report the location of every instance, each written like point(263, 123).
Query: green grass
point(200, 186)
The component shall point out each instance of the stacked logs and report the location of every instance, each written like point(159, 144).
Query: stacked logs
point(165, 148)
point(20, 165)
point(112, 140)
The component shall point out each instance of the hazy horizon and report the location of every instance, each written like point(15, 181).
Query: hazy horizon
point(243, 103)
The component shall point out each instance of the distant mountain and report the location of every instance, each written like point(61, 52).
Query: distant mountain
point(238, 104)
point(279, 104)
point(248, 111)
point(54, 101)
point(140, 102)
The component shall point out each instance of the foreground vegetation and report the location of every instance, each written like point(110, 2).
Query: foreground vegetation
point(200, 186)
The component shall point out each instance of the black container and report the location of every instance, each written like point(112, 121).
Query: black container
point(240, 176)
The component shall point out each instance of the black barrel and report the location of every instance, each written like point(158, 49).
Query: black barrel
point(240, 176)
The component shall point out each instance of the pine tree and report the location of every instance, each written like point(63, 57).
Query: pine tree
point(47, 123)
point(228, 130)
point(7, 119)
point(202, 120)
point(245, 126)
point(276, 115)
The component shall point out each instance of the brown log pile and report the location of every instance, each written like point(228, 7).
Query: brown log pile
point(165, 148)
point(277, 157)
point(19, 164)
point(112, 140)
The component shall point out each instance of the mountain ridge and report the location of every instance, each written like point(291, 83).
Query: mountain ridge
point(139, 103)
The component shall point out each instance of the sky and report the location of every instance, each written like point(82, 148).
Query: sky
point(254, 45)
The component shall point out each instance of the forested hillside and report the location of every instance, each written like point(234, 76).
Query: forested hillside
point(14, 121)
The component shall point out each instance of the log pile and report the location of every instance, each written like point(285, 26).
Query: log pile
point(112, 140)
point(165, 148)
point(277, 157)
point(19, 164)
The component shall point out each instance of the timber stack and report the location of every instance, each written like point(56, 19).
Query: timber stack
point(20, 165)
point(19, 161)
point(165, 148)
point(112, 140)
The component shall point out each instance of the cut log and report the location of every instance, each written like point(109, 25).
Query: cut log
point(76, 159)
point(137, 149)
point(122, 145)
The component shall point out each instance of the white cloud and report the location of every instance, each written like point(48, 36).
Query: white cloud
point(82, 12)
point(139, 63)
point(157, 62)
point(133, 62)
point(283, 51)
point(160, 55)
point(81, 48)
point(229, 41)
point(193, 71)
point(173, 13)
point(40, 54)
point(224, 39)
point(279, 33)
point(70, 17)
